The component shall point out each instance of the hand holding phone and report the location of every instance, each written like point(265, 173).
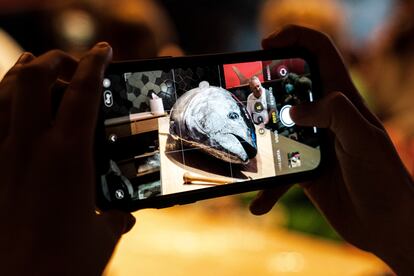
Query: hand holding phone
point(365, 192)
point(47, 183)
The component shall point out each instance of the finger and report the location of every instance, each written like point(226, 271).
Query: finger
point(319, 45)
point(334, 74)
point(337, 113)
point(58, 63)
point(5, 94)
point(79, 107)
point(46, 68)
point(32, 82)
point(58, 90)
point(111, 225)
point(266, 199)
point(6, 97)
point(118, 222)
point(26, 57)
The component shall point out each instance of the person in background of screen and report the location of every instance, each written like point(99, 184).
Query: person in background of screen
point(260, 103)
point(364, 191)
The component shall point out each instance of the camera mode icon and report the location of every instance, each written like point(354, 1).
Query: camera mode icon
point(108, 98)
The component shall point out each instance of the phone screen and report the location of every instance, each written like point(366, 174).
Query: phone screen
point(187, 128)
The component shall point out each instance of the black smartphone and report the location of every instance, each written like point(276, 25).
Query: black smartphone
point(178, 130)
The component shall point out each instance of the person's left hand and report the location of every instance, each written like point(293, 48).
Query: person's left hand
point(47, 188)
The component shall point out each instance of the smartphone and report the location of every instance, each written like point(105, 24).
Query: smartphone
point(178, 130)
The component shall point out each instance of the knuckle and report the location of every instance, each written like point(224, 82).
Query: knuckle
point(291, 27)
point(58, 53)
point(337, 100)
point(336, 103)
point(319, 36)
point(50, 60)
point(295, 28)
point(30, 73)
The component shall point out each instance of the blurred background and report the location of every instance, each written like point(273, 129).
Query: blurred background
point(219, 236)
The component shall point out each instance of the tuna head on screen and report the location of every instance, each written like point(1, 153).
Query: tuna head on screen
point(211, 119)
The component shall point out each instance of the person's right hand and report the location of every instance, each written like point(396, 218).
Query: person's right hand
point(366, 193)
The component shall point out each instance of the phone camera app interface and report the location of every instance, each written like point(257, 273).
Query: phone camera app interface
point(181, 129)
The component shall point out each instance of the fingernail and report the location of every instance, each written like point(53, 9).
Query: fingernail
point(24, 57)
point(256, 209)
point(102, 44)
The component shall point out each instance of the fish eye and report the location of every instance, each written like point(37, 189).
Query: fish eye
point(233, 115)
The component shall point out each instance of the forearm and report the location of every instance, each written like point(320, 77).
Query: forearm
point(397, 245)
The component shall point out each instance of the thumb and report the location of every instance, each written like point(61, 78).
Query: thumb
point(110, 227)
point(118, 222)
point(266, 199)
point(337, 113)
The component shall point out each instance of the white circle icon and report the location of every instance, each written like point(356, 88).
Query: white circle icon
point(285, 116)
point(283, 71)
point(106, 83)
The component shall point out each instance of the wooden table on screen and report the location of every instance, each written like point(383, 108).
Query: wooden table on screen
point(172, 171)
